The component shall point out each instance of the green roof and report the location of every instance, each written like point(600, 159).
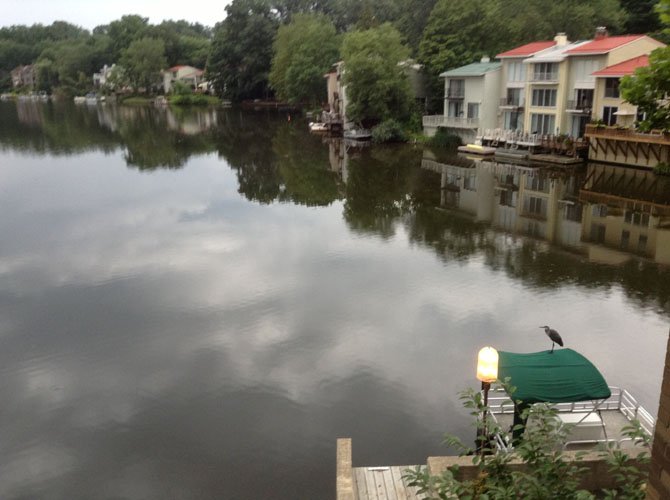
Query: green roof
point(563, 376)
point(474, 69)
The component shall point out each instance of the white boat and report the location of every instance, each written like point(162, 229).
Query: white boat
point(80, 99)
point(92, 99)
point(318, 127)
point(573, 386)
point(358, 134)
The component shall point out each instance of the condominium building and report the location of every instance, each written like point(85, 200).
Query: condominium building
point(558, 86)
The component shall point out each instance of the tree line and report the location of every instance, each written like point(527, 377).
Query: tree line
point(281, 48)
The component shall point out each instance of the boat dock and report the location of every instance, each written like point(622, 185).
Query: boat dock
point(370, 483)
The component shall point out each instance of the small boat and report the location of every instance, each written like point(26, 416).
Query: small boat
point(318, 127)
point(160, 101)
point(596, 412)
point(80, 99)
point(477, 149)
point(91, 99)
point(358, 134)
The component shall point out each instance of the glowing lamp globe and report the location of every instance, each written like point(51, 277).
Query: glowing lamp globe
point(487, 365)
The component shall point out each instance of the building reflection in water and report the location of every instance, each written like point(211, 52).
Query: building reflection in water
point(608, 213)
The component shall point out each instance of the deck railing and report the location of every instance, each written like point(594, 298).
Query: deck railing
point(455, 93)
point(450, 121)
point(512, 102)
point(655, 136)
point(551, 76)
point(583, 106)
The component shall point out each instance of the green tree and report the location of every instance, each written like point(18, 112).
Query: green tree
point(641, 16)
point(143, 61)
point(303, 52)
point(649, 87)
point(377, 86)
point(123, 32)
point(241, 54)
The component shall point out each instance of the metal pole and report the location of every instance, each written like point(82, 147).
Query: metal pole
point(485, 434)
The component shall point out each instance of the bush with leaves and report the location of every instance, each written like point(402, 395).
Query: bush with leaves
point(444, 139)
point(546, 473)
point(389, 131)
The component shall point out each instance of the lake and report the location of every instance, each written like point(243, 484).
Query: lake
point(197, 303)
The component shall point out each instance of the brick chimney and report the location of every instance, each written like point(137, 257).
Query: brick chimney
point(561, 39)
point(601, 32)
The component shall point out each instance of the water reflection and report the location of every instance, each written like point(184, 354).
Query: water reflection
point(209, 330)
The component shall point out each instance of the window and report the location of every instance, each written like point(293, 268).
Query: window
point(455, 109)
point(456, 88)
point(473, 110)
point(537, 183)
point(544, 97)
point(512, 120)
point(514, 97)
point(573, 212)
point(609, 116)
point(515, 72)
point(583, 98)
point(636, 218)
point(507, 198)
point(535, 206)
point(599, 211)
point(598, 233)
point(612, 87)
point(542, 124)
point(642, 243)
point(545, 72)
point(625, 239)
point(470, 182)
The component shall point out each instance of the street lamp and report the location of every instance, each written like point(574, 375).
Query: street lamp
point(487, 372)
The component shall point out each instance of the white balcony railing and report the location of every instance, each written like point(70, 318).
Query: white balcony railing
point(450, 121)
point(545, 77)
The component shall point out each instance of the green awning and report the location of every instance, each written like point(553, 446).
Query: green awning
point(563, 376)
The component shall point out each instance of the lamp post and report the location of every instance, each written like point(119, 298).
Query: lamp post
point(487, 372)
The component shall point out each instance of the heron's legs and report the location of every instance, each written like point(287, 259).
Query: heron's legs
point(552, 348)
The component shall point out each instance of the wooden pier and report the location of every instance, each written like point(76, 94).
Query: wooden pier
point(371, 483)
point(628, 147)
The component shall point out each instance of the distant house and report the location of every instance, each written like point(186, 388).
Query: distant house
point(24, 76)
point(470, 99)
point(101, 79)
point(188, 75)
point(337, 94)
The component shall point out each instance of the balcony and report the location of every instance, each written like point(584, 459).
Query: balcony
point(511, 103)
point(582, 107)
point(550, 77)
point(450, 121)
point(455, 93)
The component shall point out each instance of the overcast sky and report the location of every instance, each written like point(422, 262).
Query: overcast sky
point(91, 13)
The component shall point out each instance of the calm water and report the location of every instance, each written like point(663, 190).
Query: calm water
point(197, 304)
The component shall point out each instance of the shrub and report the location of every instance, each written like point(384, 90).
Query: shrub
point(662, 169)
point(547, 474)
point(444, 139)
point(389, 131)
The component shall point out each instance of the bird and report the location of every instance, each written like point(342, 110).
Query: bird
point(554, 336)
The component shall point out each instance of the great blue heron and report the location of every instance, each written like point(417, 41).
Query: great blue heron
point(554, 336)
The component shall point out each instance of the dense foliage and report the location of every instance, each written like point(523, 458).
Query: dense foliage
point(297, 39)
point(304, 50)
point(547, 474)
point(377, 86)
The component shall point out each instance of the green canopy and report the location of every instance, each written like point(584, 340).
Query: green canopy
point(563, 376)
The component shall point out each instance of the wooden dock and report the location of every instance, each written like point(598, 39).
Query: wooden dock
point(370, 483)
point(383, 483)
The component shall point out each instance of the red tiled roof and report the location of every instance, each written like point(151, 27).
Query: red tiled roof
point(623, 68)
point(604, 44)
point(528, 49)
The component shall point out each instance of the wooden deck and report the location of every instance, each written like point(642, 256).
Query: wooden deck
point(383, 483)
